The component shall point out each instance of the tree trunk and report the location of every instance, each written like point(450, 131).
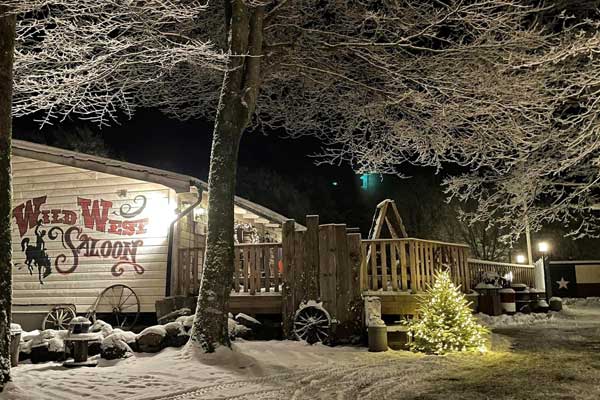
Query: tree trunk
point(7, 43)
point(236, 105)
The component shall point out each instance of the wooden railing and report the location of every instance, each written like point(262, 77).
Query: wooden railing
point(257, 268)
point(189, 271)
point(520, 273)
point(410, 264)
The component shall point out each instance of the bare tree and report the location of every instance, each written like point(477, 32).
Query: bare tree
point(7, 45)
point(381, 83)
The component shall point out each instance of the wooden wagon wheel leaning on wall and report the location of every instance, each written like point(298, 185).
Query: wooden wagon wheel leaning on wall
point(312, 323)
point(117, 305)
point(59, 317)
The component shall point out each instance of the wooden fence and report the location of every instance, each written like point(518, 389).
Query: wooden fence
point(190, 270)
point(520, 273)
point(410, 264)
point(257, 268)
point(322, 263)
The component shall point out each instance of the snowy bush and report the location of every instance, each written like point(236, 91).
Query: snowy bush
point(446, 323)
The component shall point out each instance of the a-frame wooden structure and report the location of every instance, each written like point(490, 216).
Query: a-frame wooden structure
point(387, 213)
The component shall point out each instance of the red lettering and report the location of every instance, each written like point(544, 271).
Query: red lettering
point(114, 226)
point(46, 216)
point(94, 219)
point(141, 226)
point(55, 217)
point(27, 214)
point(69, 217)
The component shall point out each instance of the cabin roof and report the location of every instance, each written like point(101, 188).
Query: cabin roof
point(178, 182)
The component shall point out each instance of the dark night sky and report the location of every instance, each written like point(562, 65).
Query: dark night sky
point(152, 139)
point(299, 187)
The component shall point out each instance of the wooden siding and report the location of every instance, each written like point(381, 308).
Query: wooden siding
point(62, 186)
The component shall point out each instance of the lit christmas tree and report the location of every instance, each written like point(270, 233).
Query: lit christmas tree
point(446, 323)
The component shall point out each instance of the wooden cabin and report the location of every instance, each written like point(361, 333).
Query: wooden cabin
point(82, 223)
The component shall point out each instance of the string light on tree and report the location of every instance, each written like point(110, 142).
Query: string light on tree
point(446, 323)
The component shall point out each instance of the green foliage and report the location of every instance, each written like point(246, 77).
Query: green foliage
point(446, 323)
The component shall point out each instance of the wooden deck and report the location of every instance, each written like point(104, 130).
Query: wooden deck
point(398, 271)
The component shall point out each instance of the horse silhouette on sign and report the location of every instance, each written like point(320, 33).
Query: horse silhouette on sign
point(37, 255)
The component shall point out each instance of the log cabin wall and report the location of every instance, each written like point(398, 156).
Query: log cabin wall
point(96, 229)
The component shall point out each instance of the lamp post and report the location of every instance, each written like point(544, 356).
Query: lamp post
point(521, 259)
point(543, 248)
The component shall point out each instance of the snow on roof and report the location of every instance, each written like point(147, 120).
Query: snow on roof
point(178, 182)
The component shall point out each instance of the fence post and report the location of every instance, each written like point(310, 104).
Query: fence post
point(311, 257)
point(287, 295)
point(327, 267)
point(343, 274)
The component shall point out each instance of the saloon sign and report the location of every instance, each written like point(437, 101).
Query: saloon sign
point(37, 224)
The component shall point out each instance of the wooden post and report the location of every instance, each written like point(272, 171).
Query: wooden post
point(236, 270)
point(327, 267)
point(364, 280)
point(403, 269)
point(299, 282)
point(343, 274)
point(353, 323)
point(287, 295)
point(384, 278)
point(311, 258)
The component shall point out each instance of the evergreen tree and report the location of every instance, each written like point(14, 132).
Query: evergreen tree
point(446, 323)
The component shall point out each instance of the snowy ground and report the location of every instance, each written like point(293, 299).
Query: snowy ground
point(551, 358)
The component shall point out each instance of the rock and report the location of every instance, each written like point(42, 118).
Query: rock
point(151, 339)
point(247, 321)
point(176, 336)
point(173, 316)
point(94, 348)
point(40, 354)
point(556, 304)
point(101, 326)
point(186, 321)
point(113, 347)
point(237, 330)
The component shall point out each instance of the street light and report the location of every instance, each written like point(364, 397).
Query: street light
point(520, 259)
point(544, 247)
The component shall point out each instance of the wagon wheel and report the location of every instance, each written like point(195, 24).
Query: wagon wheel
point(58, 318)
point(117, 305)
point(312, 323)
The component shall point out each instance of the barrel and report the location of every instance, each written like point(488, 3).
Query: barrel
point(489, 299)
point(521, 298)
point(377, 338)
point(537, 300)
point(507, 301)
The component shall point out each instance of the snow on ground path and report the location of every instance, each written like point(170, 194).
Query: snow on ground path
point(558, 359)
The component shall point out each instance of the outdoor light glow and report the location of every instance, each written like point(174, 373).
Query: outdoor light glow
point(160, 214)
point(543, 247)
point(520, 259)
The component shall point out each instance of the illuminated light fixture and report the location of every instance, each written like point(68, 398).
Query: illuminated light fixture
point(160, 214)
point(543, 247)
point(520, 259)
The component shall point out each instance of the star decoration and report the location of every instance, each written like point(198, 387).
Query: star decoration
point(562, 284)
